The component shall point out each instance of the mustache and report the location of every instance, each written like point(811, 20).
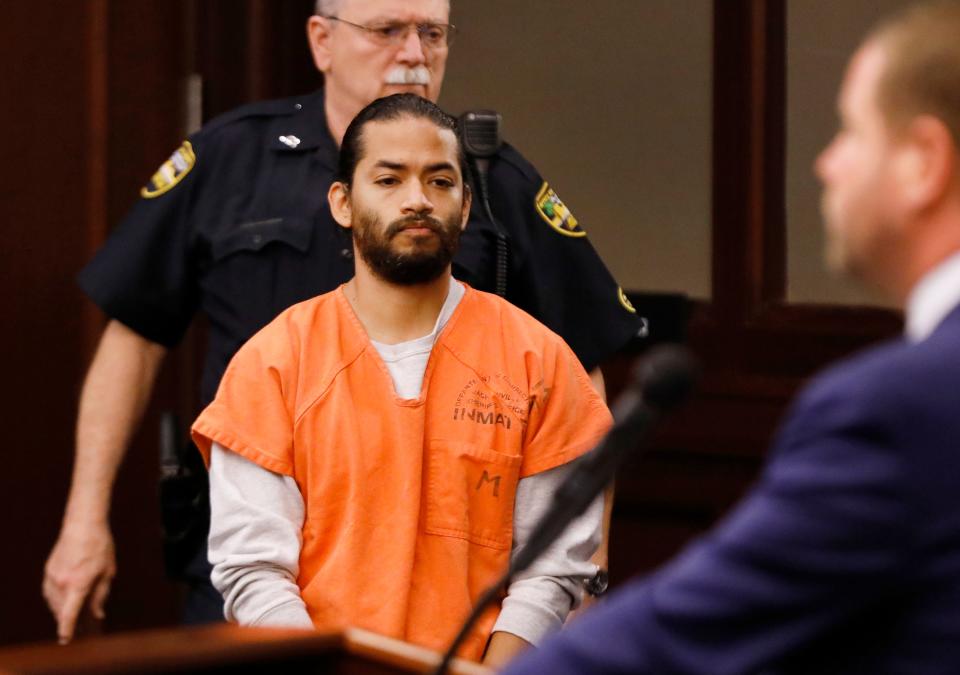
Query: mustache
point(415, 220)
point(406, 75)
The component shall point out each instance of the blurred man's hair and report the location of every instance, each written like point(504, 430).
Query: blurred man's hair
point(922, 71)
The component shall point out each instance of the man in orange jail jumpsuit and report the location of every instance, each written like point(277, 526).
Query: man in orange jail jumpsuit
point(376, 452)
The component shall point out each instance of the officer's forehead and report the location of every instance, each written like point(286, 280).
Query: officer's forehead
point(394, 9)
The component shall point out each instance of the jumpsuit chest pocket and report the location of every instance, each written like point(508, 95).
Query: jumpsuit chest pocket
point(254, 235)
point(471, 492)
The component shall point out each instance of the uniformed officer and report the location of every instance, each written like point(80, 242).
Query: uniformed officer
point(235, 224)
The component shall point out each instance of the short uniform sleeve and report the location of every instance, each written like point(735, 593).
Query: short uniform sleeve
point(567, 417)
point(143, 275)
point(253, 411)
point(555, 273)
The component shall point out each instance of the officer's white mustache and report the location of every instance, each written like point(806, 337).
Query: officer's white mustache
point(407, 75)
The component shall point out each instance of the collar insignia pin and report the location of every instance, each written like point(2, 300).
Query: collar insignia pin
point(290, 141)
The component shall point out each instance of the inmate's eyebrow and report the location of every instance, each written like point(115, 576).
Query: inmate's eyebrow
point(440, 166)
point(400, 166)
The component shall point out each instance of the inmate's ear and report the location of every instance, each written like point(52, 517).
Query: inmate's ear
point(338, 196)
point(465, 207)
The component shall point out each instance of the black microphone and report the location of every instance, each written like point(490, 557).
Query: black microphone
point(661, 382)
point(480, 136)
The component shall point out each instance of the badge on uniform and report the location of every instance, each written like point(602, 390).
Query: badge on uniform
point(556, 213)
point(170, 172)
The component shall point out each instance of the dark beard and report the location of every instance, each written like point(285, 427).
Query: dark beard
point(375, 246)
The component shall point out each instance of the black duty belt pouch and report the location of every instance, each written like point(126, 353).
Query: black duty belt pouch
point(184, 511)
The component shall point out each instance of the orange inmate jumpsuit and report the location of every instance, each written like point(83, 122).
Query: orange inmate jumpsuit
point(408, 502)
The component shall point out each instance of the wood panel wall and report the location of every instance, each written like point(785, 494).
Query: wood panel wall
point(51, 120)
point(92, 104)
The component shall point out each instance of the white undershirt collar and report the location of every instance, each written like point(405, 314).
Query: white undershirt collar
point(407, 361)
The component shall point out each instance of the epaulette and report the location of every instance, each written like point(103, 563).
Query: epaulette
point(511, 156)
point(271, 108)
point(214, 132)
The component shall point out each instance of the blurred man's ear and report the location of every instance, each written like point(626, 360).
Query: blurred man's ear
point(927, 165)
point(338, 197)
point(318, 38)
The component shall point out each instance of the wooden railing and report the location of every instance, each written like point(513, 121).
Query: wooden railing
point(228, 649)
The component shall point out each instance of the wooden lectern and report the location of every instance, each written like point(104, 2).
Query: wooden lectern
point(229, 649)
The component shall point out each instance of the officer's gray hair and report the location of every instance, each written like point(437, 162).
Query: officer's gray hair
point(921, 73)
point(331, 7)
point(327, 7)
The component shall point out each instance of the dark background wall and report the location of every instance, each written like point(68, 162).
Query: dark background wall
point(94, 97)
point(90, 102)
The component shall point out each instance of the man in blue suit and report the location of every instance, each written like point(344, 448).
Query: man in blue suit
point(845, 557)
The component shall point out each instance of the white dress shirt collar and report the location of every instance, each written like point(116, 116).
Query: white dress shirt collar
point(936, 294)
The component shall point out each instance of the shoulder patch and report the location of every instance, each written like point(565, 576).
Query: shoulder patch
point(625, 301)
point(170, 172)
point(556, 213)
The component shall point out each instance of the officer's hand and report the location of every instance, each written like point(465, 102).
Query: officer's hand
point(81, 565)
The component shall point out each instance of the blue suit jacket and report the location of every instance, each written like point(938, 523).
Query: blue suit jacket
point(844, 558)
